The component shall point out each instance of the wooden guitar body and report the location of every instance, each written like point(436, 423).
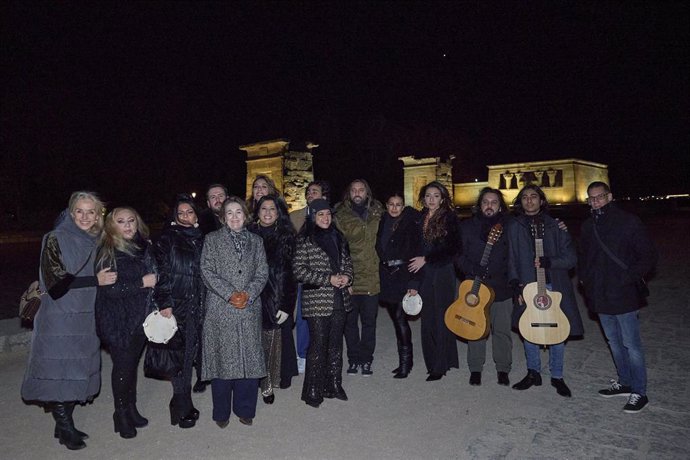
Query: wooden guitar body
point(468, 316)
point(543, 321)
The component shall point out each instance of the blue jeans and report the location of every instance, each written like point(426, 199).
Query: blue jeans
point(301, 327)
point(556, 353)
point(236, 395)
point(623, 334)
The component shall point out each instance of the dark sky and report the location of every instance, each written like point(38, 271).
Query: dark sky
point(139, 100)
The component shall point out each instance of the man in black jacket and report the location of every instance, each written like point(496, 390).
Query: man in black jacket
point(491, 210)
point(616, 253)
point(210, 219)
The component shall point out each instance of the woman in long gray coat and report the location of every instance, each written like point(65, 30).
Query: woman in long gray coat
point(65, 358)
point(234, 268)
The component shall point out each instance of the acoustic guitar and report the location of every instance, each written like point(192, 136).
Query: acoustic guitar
point(468, 316)
point(543, 321)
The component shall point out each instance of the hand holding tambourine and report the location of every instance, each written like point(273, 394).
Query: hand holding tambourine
point(239, 299)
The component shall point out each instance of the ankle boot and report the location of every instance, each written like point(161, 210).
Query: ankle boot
point(180, 412)
point(532, 378)
point(67, 434)
point(135, 417)
point(69, 407)
point(405, 355)
point(123, 424)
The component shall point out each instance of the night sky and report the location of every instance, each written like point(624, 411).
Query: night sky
point(139, 100)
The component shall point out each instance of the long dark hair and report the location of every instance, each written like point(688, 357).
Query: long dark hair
point(501, 200)
point(434, 226)
point(283, 221)
point(517, 204)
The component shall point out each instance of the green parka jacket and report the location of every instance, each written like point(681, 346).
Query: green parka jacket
point(361, 237)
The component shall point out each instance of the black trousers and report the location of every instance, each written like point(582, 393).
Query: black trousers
point(125, 368)
point(325, 354)
point(403, 334)
point(360, 346)
point(182, 384)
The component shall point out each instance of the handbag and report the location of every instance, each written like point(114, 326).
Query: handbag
point(640, 284)
point(30, 301)
point(164, 356)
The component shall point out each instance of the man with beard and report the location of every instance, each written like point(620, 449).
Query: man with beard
point(490, 210)
point(210, 219)
point(357, 217)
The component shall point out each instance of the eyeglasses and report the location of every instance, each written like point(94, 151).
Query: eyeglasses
point(601, 197)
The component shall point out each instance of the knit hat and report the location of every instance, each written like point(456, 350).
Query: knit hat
point(317, 205)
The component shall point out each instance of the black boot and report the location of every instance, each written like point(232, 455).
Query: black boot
point(70, 410)
point(532, 378)
point(405, 355)
point(180, 412)
point(136, 418)
point(121, 420)
point(67, 434)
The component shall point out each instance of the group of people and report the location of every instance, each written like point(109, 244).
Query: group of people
point(239, 276)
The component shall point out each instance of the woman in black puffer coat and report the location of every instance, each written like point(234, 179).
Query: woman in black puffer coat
point(122, 307)
point(180, 292)
point(278, 297)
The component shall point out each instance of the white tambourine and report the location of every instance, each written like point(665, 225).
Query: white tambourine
point(412, 304)
point(158, 328)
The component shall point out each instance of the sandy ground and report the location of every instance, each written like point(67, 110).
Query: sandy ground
point(392, 419)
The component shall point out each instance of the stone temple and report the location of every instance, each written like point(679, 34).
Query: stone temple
point(564, 182)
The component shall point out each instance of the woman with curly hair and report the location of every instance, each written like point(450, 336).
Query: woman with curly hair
point(121, 308)
point(441, 243)
point(278, 296)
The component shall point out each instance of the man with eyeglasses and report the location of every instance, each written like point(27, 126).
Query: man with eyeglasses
point(616, 253)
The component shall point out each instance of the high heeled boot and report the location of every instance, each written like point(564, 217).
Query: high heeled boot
point(67, 434)
point(69, 407)
point(405, 355)
point(180, 412)
point(121, 420)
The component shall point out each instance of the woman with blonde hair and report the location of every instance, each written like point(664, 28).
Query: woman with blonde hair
point(65, 359)
point(262, 186)
point(121, 308)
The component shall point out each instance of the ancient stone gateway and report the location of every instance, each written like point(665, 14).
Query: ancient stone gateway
point(289, 164)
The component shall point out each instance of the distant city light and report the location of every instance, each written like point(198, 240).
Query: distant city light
point(193, 194)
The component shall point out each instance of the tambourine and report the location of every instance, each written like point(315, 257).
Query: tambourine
point(158, 328)
point(412, 304)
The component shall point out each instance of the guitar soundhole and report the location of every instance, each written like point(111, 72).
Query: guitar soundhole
point(471, 300)
point(542, 302)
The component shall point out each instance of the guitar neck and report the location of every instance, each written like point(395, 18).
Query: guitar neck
point(541, 273)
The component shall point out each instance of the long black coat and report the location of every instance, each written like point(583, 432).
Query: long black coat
point(178, 255)
point(280, 291)
point(122, 307)
point(403, 243)
point(609, 288)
